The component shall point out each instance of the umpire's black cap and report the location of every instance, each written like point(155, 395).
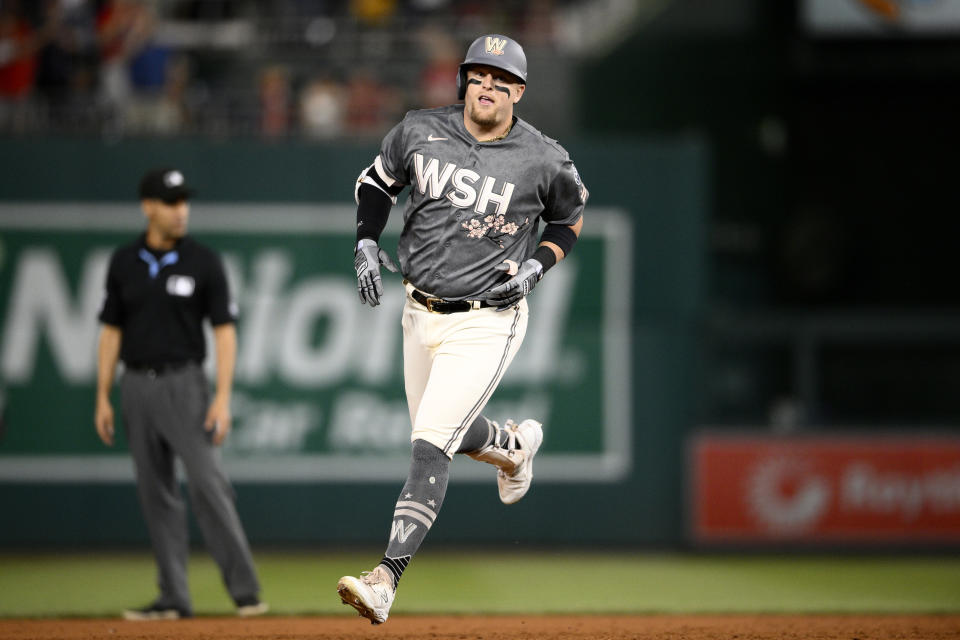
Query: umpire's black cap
point(165, 184)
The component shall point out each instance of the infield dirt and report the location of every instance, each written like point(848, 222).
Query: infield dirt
point(738, 627)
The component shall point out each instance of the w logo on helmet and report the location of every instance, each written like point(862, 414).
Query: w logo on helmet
point(495, 45)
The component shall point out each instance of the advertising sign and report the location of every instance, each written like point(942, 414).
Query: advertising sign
point(824, 488)
point(881, 18)
point(319, 380)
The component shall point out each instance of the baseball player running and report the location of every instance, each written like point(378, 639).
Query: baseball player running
point(481, 180)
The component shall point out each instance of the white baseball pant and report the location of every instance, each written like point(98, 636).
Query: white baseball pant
point(452, 363)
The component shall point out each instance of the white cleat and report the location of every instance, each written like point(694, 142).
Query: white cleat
point(371, 594)
point(529, 435)
point(514, 462)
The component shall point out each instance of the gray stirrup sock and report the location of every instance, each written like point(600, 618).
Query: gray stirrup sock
point(417, 506)
point(481, 434)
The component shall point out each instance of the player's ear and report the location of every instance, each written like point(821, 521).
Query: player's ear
point(519, 93)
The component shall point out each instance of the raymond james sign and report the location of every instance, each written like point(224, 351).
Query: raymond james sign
point(756, 487)
point(319, 381)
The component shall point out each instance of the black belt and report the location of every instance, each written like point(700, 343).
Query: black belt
point(159, 368)
point(439, 305)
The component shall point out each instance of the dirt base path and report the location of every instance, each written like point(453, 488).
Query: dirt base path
point(738, 627)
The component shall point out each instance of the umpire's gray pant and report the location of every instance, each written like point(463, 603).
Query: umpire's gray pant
point(163, 416)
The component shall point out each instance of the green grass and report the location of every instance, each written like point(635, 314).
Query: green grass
point(42, 585)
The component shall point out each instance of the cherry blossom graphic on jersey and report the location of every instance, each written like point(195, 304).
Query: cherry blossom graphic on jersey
point(493, 227)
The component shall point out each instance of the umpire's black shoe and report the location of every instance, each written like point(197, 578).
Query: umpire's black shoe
point(156, 611)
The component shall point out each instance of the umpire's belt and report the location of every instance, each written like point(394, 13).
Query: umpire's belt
point(439, 305)
point(158, 368)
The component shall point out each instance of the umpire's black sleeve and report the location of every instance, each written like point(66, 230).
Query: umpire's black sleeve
point(219, 307)
point(112, 312)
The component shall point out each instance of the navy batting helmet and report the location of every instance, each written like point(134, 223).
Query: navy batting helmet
point(495, 51)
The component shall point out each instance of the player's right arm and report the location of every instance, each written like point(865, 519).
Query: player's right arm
point(108, 353)
point(376, 192)
point(373, 208)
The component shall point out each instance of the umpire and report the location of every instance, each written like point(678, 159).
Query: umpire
point(159, 289)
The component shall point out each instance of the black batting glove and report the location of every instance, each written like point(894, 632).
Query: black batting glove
point(515, 289)
point(367, 260)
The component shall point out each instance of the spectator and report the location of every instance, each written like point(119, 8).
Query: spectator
point(63, 62)
point(322, 105)
point(538, 23)
point(438, 79)
point(166, 111)
point(373, 12)
point(174, 113)
point(19, 44)
point(274, 102)
point(124, 28)
point(18, 47)
point(207, 9)
point(368, 102)
point(148, 69)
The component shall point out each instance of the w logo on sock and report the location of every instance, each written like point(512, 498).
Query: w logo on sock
point(400, 532)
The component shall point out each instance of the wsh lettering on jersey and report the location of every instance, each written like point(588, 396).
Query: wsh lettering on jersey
point(432, 182)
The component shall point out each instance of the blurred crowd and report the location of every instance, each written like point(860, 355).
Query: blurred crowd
point(312, 68)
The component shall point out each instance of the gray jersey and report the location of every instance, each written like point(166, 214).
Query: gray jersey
point(474, 204)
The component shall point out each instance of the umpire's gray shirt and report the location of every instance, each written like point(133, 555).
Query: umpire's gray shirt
point(474, 204)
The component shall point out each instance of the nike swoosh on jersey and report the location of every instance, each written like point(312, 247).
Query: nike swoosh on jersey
point(432, 138)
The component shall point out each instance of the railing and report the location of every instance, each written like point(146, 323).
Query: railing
point(843, 368)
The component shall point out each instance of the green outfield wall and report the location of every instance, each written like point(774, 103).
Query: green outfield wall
point(321, 430)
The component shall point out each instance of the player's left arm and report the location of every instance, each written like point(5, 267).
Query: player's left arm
point(556, 242)
point(567, 195)
point(559, 240)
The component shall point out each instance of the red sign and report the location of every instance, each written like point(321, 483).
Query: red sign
point(828, 489)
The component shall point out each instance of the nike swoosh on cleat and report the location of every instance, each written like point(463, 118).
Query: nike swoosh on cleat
point(432, 138)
